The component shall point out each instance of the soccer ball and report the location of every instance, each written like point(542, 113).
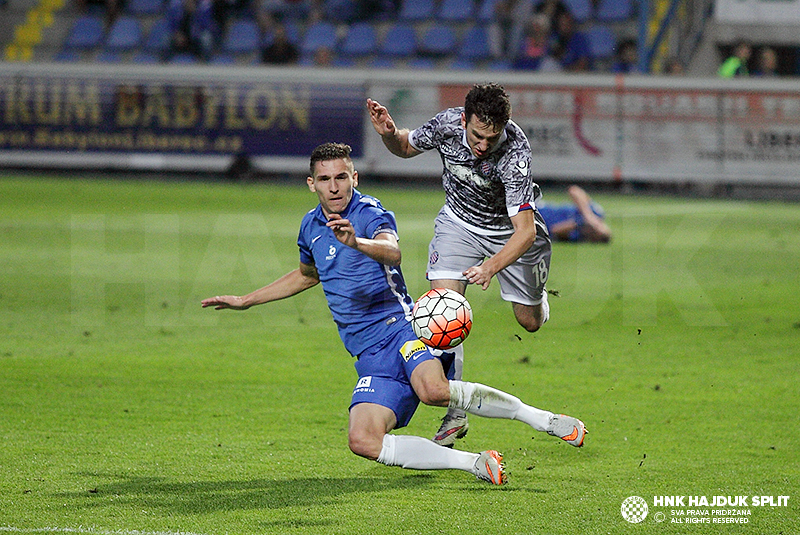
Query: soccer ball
point(442, 318)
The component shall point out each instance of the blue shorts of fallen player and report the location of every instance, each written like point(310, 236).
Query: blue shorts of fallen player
point(385, 369)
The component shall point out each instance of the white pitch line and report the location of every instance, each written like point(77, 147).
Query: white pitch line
point(91, 531)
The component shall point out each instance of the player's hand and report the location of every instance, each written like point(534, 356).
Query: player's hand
point(224, 301)
point(342, 229)
point(381, 120)
point(480, 275)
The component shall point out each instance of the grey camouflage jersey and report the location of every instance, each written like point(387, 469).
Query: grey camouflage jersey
point(482, 193)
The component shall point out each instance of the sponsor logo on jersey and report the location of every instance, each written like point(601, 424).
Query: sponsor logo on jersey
point(413, 349)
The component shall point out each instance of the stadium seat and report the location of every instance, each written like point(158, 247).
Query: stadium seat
point(456, 10)
point(361, 40)
point(108, 56)
point(222, 59)
point(417, 10)
point(475, 44)
point(581, 9)
point(438, 40)
point(319, 35)
point(67, 56)
point(461, 64)
point(340, 10)
point(486, 10)
point(145, 7)
point(602, 41)
point(158, 39)
point(86, 32)
point(418, 63)
point(242, 37)
point(400, 41)
point(614, 10)
point(125, 34)
point(183, 59)
point(145, 58)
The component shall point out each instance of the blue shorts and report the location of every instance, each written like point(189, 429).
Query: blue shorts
point(384, 373)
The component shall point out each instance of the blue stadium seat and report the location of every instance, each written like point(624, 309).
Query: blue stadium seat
point(108, 56)
point(183, 59)
point(125, 34)
point(340, 10)
point(580, 9)
point(242, 37)
point(67, 56)
point(456, 10)
point(145, 58)
point(417, 10)
point(361, 40)
point(486, 10)
point(145, 7)
point(475, 44)
point(319, 35)
point(461, 64)
point(614, 10)
point(438, 40)
point(222, 59)
point(86, 32)
point(417, 63)
point(602, 41)
point(158, 39)
point(400, 41)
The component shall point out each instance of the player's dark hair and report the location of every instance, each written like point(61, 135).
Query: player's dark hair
point(329, 151)
point(489, 103)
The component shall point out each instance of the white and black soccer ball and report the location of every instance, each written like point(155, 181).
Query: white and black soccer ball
point(442, 318)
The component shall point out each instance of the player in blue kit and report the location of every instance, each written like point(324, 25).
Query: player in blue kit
point(349, 244)
point(582, 220)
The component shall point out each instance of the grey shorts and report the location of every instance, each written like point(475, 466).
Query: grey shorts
point(454, 248)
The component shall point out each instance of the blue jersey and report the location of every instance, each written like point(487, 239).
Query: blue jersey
point(368, 300)
point(554, 214)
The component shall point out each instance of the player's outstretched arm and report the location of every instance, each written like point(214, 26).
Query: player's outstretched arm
point(290, 284)
point(395, 139)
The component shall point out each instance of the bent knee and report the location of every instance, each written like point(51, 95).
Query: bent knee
point(530, 324)
point(434, 393)
point(365, 444)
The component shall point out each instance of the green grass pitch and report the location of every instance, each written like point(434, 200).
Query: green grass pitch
point(126, 408)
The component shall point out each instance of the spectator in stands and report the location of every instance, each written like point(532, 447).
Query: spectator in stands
point(192, 27)
point(323, 57)
point(552, 9)
point(534, 53)
point(289, 9)
point(570, 46)
point(626, 60)
point(674, 67)
point(111, 8)
point(225, 10)
point(376, 9)
point(281, 51)
point(509, 21)
point(736, 64)
point(767, 63)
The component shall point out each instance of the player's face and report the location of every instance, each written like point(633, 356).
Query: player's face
point(333, 182)
point(481, 137)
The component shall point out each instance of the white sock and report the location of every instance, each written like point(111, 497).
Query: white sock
point(420, 453)
point(545, 307)
point(457, 374)
point(486, 401)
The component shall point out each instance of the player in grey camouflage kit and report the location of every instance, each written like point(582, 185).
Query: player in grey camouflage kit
point(489, 224)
